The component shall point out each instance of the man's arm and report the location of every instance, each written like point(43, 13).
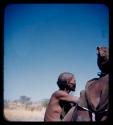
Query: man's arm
point(61, 95)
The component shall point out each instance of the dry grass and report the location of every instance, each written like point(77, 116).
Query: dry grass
point(24, 115)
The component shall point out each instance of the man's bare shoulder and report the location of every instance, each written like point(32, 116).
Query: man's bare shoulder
point(60, 93)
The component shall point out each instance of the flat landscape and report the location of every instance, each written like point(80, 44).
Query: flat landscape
point(27, 111)
point(24, 115)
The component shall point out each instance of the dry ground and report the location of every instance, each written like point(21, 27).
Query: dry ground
point(24, 115)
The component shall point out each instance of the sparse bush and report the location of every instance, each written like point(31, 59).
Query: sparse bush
point(25, 109)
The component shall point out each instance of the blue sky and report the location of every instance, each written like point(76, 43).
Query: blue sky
point(43, 40)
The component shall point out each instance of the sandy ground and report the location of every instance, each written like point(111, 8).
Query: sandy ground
point(23, 115)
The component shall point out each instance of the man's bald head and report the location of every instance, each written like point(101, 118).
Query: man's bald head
point(64, 80)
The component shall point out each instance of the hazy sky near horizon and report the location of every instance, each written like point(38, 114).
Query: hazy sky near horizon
point(43, 40)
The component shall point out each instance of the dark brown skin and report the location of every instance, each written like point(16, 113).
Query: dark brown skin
point(54, 110)
point(97, 93)
point(95, 96)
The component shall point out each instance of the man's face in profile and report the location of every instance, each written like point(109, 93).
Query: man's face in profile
point(72, 84)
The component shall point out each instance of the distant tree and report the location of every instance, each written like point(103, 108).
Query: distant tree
point(25, 99)
point(6, 103)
